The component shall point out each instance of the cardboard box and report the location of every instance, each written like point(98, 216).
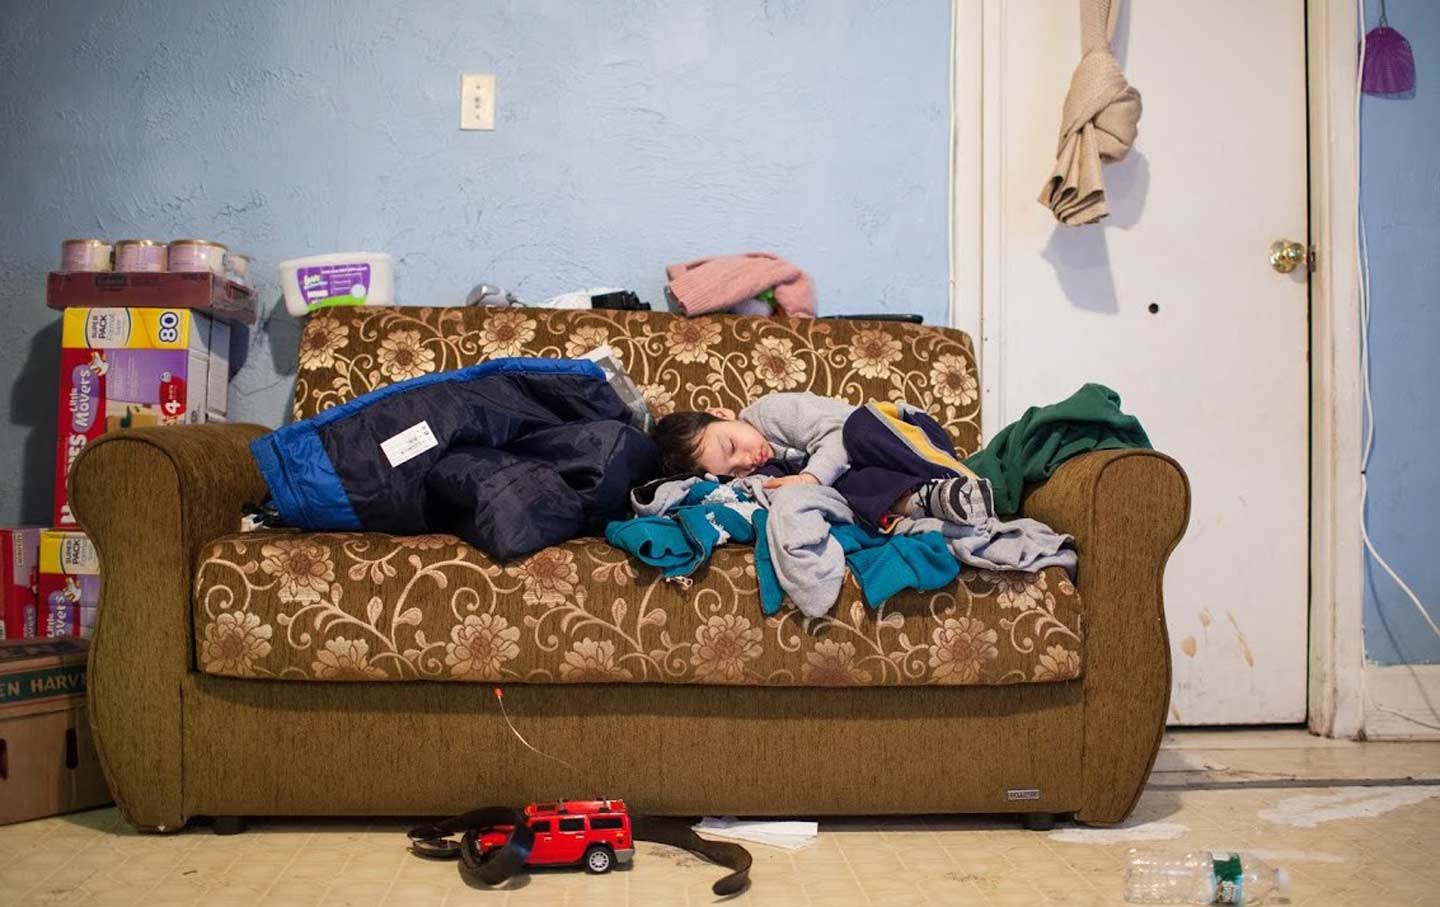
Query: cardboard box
point(128, 368)
point(49, 759)
point(68, 585)
point(19, 558)
point(202, 291)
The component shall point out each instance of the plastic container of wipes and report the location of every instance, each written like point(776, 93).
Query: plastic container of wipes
point(341, 278)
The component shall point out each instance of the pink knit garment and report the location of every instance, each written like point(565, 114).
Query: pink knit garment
point(713, 284)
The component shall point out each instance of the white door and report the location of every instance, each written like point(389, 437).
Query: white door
point(1172, 302)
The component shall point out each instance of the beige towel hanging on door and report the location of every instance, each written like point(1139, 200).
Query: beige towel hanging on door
point(1099, 121)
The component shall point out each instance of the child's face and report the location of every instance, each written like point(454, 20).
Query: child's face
point(732, 447)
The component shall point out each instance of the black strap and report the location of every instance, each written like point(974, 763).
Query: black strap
point(492, 868)
point(498, 865)
point(677, 834)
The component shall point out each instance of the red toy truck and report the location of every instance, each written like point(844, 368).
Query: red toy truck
point(593, 832)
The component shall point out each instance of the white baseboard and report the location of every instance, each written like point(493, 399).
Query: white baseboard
point(1398, 698)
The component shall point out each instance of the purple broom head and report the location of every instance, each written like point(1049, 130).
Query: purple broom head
point(1389, 63)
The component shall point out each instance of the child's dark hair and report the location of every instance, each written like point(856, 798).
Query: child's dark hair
point(677, 437)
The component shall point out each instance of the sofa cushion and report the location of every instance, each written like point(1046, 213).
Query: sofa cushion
point(679, 363)
point(366, 606)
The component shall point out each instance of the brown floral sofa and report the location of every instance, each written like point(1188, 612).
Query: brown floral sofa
point(331, 673)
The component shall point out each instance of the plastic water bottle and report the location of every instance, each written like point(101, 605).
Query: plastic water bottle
point(1201, 877)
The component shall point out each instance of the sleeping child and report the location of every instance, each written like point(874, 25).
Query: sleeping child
point(887, 460)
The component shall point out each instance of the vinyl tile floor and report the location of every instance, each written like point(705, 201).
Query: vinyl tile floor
point(1355, 823)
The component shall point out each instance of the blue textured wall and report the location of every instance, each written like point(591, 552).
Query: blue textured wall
point(1400, 199)
point(630, 133)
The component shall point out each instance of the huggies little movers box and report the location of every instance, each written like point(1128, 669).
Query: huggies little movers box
point(131, 368)
point(19, 555)
point(69, 584)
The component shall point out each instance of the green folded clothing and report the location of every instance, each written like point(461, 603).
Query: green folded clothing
point(1031, 448)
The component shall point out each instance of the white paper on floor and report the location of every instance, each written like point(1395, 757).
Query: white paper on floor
point(789, 835)
point(1140, 831)
point(1358, 803)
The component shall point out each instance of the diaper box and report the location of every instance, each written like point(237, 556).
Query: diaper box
point(68, 584)
point(19, 558)
point(130, 368)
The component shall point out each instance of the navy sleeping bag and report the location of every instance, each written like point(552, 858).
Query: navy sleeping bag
point(512, 455)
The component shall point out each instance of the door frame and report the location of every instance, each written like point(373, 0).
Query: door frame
point(1337, 649)
point(1337, 592)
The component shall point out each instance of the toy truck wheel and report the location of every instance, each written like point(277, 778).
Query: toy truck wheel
point(599, 859)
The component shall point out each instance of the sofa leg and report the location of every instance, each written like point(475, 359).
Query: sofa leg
point(157, 829)
point(1040, 821)
point(227, 825)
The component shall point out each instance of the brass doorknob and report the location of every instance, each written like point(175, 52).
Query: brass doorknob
point(1286, 256)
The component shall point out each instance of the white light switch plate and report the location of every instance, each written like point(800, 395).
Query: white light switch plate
point(477, 100)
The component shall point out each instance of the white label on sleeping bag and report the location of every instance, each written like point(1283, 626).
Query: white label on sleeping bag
point(409, 444)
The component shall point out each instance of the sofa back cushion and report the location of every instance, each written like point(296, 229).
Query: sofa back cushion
point(679, 362)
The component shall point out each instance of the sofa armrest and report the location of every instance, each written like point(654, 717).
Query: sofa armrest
point(149, 499)
point(1127, 510)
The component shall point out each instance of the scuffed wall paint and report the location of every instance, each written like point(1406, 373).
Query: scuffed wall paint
point(630, 133)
